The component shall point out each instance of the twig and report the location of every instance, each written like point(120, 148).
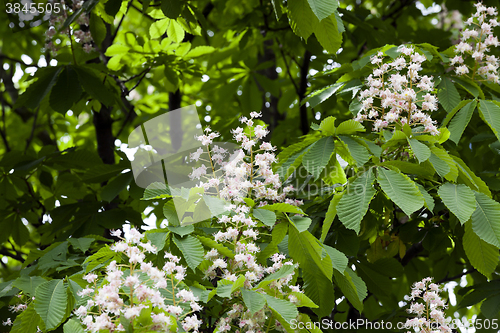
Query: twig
point(28, 141)
point(288, 71)
point(139, 81)
point(2, 56)
point(448, 279)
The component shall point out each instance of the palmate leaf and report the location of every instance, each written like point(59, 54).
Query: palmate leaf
point(490, 112)
point(421, 151)
point(460, 121)
point(317, 157)
point(352, 286)
point(359, 152)
point(428, 200)
point(400, 189)
point(291, 150)
point(486, 219)
point(354, 203)
point(448, 95)
point(330, 215)
point(192, 250)
point(50, 302)
point(482, 256)
point(469, 177)
point(253, 300)
point(350, 126)
point(286, 309)
point(316, 266)
point(28, 284)
point(459, 199)
point(323, 8)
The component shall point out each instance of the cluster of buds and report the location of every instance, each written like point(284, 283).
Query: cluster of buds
point(428, 307)
point(81, 35)
point(134, 287)
point(398, 94)
point(475, 43)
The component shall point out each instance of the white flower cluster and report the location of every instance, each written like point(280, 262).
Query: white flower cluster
point(248, 172)
point(428, 306)
point(248, 169)
point(128, 289)
point(82, 36)
point(475, 43)
point(398, 94)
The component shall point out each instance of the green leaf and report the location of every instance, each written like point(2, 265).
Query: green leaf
point(283, 208)
point(157, 239)
point(318, 155)
point(82, 244)
point(329, 35)
point(211, 244)
point(486, 219)
point(92, 84)
point(490, 112)
point(265, 216)
point(354, 203)
point(350, 126)
point(352, 286)
point(428, 200)
point(66, 92)
point(200, 51)
point(192, 250)
point(339, 260)
point(100, 257)
point(302, 19)
point(156, 190)
point(171, 214)
point(400, 189)
point(171, 8)
point(73, 326)
point(158, 28)
point(291, 150)
point(411, 168)
point(323, 8)
point(459, 199)
point(421, 151)
point(116, 185)
point(469, 178)
point(175, 31)
point(448, 95)
point(50, 302)
point(482, 256)
point(27, 321)
point(453, 112)
point(319, 96)
point(253, 300)
point(182, 230)
point(97, 29)
point(286, 309)
point(278, 234)
point(460, 121)
point(328, 125)
point(28, 284)
point(330, 215)
point(307, 250)
point(359, 152)
point(37, 91)
point(470, 86)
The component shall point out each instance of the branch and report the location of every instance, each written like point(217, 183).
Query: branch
point(139, 81)
point(3, 56)
point(448, 279)
point(288, 71)
point(28, 141)
point(411, 253)
point(304, 70)
point(3, 132)
point(15, 256)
